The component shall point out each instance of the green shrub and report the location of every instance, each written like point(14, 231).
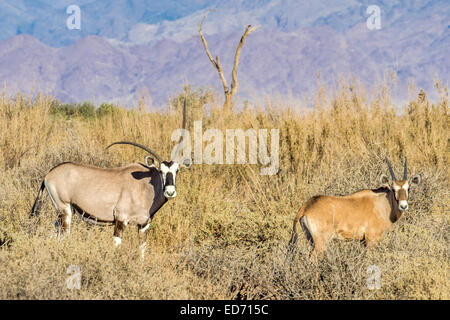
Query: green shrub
point(86, 110)
point(106, 109)
point(196, 97)
point(64, 110)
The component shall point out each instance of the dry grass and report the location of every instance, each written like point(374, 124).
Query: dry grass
point(225, 235)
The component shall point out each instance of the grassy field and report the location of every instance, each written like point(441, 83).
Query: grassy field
point(225, 235)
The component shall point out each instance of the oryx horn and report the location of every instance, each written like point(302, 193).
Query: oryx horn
point(390, 169)
point(183, 127)
point(150, 151)
point(405, 170)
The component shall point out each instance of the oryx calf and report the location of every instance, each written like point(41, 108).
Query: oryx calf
point(364, 215)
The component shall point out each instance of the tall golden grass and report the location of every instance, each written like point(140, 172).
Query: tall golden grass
point(225, 235)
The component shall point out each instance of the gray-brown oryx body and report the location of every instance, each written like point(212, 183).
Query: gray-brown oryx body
point(364, 215)
point(133, 193)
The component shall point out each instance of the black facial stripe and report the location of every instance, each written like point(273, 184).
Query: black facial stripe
point(169, 179)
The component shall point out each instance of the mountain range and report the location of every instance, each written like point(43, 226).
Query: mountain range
point(128, 48)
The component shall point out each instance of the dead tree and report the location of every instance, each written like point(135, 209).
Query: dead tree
point(228, 92)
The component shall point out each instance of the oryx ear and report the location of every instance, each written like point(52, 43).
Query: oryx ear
point(384, 179)
point(187, 162)
point(415, 179)
point(149, 161)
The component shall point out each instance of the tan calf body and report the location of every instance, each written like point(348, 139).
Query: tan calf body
point(364, 215)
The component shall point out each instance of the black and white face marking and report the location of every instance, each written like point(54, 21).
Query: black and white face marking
point(401, 191)
point(169, 170)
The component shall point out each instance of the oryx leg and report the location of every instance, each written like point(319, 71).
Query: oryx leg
point(371, 239)
point(143, 233)
point(118, 230)
point(64, 210)
point(65, 218)
point(318, 238)
point(320, 246)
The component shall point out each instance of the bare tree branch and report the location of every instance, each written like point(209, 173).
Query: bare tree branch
point(229, 94)
point(222, 78)
point(216, 63)
point(234, 81)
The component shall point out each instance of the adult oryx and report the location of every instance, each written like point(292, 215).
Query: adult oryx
point(364, 215)
point(133, 193)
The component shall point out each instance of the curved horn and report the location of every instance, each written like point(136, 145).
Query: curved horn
point(405, 170)
point(150, 151)
point(390, 169)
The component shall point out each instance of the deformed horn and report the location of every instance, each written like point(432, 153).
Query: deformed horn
point(390, 169)
point(150, 151)
point(183, 127)
point(405, 170)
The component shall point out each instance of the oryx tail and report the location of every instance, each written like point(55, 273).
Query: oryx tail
point(38, 202)
point(294, 236)
point(292, 246)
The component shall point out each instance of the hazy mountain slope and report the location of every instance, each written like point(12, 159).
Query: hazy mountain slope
point(293, 43)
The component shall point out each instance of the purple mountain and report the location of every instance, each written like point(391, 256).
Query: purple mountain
point(273, 60)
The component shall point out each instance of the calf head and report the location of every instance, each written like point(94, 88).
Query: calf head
point(400, 188)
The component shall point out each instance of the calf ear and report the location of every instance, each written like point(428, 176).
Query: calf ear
point(384, 179)
point(415, 179)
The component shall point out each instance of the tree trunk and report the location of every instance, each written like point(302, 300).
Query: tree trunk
point(228, 104)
